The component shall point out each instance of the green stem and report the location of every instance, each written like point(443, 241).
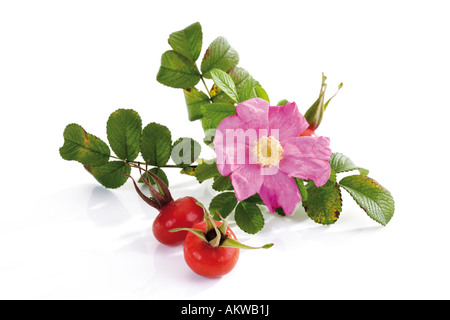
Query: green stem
point(206, 87)
point(164, 166)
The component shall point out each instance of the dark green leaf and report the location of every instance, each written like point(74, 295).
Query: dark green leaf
point(341, 163)
point(205, 171)
point(222, 183)
point(185, 151)
point(225, 83)
point(256, 199)
point(324, 204)
point(374, 199)
point(177, 71)
point(224, 203)
point(248, 217)
point(214, 113)
point(156, 144)
point(188, 41)
point(194, 101)
point(219, 55)
point(84, 147)
point(110, 174)
point(124, 129)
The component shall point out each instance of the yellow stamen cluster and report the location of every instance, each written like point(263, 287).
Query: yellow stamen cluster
point(268, 151)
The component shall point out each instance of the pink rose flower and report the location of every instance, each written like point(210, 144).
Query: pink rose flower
point(261, 150)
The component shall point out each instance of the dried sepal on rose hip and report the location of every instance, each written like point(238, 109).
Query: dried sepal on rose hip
point(211, 248)
point(180, 213)
point(314, 114)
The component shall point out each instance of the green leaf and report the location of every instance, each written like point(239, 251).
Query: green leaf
point(188, 41)
point(124, 130)
point(240, 77)
point(248, 217)
point(256, 199)
point(324, 204)
point(177, 71)
point(84, 147)
point(341, 163)
point(302, 189)
point(214, 113)
point(205, 171)
point(110, 174)
point(224, 81)
point(194, 101)
point(247, 91)
point(282, 102)
point(219, 55)
point(222, 183)
point(224, 203)
point(156, 144)
point(185, 151)
point(160, 173)
point(261, 93)
point(374, 199)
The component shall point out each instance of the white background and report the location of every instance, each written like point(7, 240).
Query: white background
point(62, 236)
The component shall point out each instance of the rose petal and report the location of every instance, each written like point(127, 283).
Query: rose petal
point(247, 181)
point(307, 158)
point(254, 114)
point(280, 190)
point(288, 120)
point(227, 153)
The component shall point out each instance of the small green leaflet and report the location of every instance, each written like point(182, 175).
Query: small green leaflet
point(177, 71)
point(302, 189)
point(110, 175)
point(214, 113)
point(248, 217)
point(240, 78)
point(222, 183)
point(324, 204)
point(205, 171)
point(84, 147)
point(341, 163)
point(194, 101)
point(188, 41)
point(219, 55)
point(225, 83)
point(224, 203)
point(156, 144)
point(124, 129)
point(373, 198)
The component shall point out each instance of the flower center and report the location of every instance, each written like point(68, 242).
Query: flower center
point(268, 151)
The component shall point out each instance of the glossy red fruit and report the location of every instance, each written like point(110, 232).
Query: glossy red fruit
point(182, 213)
point(206, 260)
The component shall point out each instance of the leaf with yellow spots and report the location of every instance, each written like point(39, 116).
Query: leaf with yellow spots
point(84, 147)
point(373, 198)
point(219, 55)
point(324, 204)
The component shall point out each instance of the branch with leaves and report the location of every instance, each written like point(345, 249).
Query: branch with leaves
point(210, 105)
